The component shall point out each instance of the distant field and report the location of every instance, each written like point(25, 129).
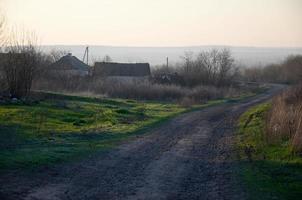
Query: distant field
point(65, 127)
point(274, 172)
point(248, 56)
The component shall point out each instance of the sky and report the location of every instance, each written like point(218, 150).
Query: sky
point(261, 23)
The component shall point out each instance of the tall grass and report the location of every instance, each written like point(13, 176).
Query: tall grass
point(284, 121)
point(145, 90)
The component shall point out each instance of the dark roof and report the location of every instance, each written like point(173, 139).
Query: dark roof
point(70, 62)
point(122, 69)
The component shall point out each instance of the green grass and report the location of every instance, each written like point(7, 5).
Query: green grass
point(66, 126)
point(63, 127)
point(274, 172)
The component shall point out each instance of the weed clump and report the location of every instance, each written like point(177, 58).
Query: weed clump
point(284, 121)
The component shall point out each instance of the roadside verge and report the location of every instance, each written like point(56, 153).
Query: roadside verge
point(268, 171)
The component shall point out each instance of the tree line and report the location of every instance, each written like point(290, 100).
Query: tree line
point(288, 72)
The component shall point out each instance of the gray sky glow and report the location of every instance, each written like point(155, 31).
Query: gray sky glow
point(274, 23)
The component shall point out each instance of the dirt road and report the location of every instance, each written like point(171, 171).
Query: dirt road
point(190, 157)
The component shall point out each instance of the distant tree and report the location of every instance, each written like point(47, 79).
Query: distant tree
point(289, 71)
point(226, 69)
point(252, 74)
point(207, 65)
point(215, 67)
point(188, 61)
point(293, 69)
point(107, 59)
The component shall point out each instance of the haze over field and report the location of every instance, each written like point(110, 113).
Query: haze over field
point(247, 56)
point(258, 32)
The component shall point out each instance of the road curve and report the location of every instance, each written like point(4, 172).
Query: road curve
point(189, 157)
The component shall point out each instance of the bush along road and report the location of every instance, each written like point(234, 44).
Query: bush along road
point(188, 157)
point(268, 170)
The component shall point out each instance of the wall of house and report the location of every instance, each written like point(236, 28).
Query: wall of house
point(121, 69)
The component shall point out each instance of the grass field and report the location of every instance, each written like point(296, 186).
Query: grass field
point(65, 127)
point(273, 172)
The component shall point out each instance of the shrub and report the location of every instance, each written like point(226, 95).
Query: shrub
point(289, 71)
point(145, 90)
point(285, 119)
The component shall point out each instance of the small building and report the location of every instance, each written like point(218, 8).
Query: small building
point(121, 69)
point(70, 65)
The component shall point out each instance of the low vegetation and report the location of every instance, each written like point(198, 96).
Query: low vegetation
point(60, 127)
point(269, 167)
point(145, 90)
point(208, 76)
point(284, 121)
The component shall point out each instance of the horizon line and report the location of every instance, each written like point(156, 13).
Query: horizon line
point(178, 46)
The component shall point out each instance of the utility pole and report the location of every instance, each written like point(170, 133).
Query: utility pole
point(86, 55)
point(167, 62)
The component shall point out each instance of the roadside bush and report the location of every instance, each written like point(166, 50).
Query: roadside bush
point(284, 122)
point(289, 71)
point(62, 83)
point(138, 89)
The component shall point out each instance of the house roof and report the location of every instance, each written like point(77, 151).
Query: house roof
point(70, 62)
point(122, 69)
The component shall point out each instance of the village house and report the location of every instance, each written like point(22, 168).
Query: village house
point(71, 66)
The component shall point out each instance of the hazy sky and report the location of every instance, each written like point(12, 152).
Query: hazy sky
point(275, 23)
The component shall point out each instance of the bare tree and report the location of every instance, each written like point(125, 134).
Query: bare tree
point(215, 67)
point(20, 64)
point(188, 61)
point(226, 67)
point(206, 65)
